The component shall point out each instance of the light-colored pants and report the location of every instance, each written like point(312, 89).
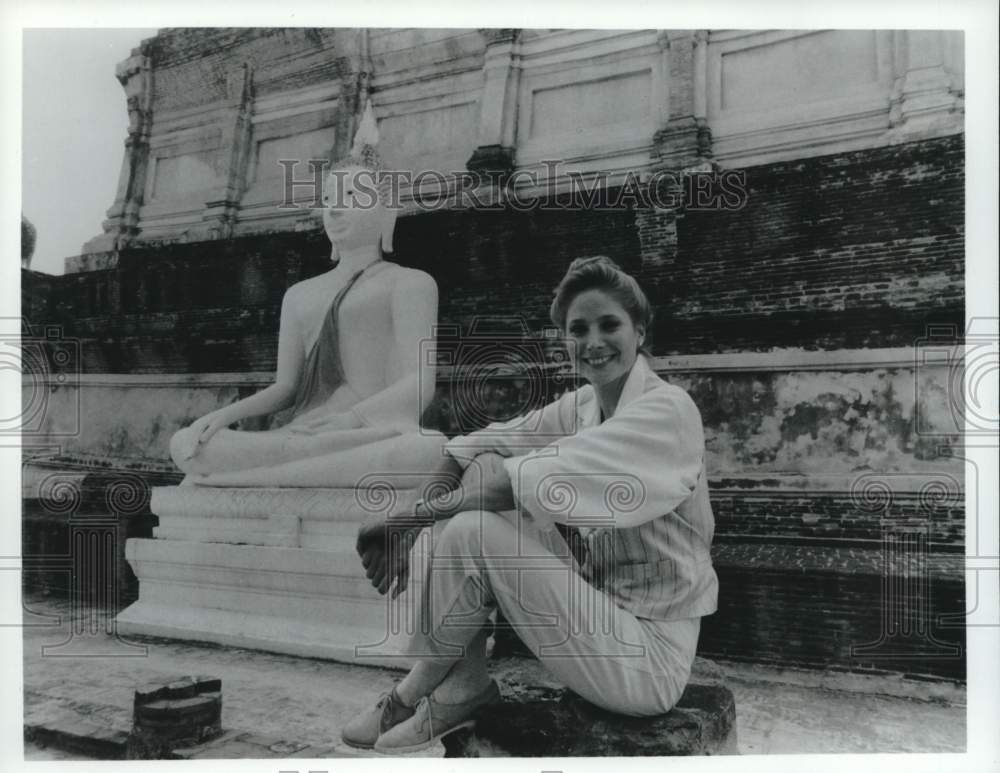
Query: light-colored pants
point(482, 560)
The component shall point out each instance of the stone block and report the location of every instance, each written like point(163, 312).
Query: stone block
point(79, 736)
point(540, 718)
point(179, 712)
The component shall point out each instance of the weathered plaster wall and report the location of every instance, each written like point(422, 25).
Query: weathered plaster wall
point(784, 422)
point(888, 419)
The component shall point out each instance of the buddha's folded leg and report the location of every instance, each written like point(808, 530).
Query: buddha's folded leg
point(402, 461)
point(231, 450)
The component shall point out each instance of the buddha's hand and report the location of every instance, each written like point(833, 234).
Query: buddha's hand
point(384, 548)
point(331, 423)
point(202, 430)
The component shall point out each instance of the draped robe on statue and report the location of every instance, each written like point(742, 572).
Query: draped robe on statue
point(323, 372)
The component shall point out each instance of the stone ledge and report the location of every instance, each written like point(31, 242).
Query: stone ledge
point(72, 734)
point(835, 560)
point(361, 639)
point(62, 487)
point(540, 718)
point(309, 518)
point(321, 504)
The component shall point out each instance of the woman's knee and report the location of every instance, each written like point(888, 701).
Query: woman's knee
point(468, 533)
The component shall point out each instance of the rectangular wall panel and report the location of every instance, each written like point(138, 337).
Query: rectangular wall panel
point(797, 70)
point(579, 106)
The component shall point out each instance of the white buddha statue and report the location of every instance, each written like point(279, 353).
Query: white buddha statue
point(350, 345)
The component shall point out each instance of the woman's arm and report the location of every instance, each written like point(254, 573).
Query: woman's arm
point(523, 434)
point(485, 486)
point(385, 547)
point(636, 466)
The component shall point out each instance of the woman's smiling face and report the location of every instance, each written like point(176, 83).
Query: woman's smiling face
point(604, 340)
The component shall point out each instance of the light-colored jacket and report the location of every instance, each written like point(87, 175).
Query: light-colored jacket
point(634, 485)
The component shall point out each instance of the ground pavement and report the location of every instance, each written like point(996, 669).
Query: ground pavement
point(303, 703)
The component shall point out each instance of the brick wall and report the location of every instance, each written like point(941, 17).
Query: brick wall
point(837, 517)
point(507, 263)
point(282, 59)
point(214, 306)
point(853, 250)
point(36, 294)
point(842, 607)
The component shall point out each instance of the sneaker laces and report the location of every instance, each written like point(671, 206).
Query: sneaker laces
point(425, 702)
point(389, 703)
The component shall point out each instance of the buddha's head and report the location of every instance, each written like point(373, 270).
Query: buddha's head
point(357, 209)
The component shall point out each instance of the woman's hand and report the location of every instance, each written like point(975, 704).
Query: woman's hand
point(384, 548)
point(330, 423)
point(486, 484)
point(204, 428)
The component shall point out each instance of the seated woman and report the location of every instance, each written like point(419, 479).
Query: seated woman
point(349, 360)
point(621, 459)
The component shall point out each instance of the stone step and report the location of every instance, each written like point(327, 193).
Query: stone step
point(326, 610)
point(77, 735)
point(335, 572)
point(275, 531)
point(359, 641)
point(311, 504)
point(284, 599)
point(314, 518)
point(272, 569)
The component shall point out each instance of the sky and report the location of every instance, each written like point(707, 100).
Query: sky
point(74, 125)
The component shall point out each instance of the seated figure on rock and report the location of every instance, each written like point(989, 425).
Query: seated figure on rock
point(349, 360)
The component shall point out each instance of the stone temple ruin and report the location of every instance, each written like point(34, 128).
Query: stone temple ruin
point(806, 260)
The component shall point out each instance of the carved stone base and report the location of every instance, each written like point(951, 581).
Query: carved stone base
point(271, 569)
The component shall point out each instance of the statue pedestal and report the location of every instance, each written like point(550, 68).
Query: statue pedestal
point(271, 569)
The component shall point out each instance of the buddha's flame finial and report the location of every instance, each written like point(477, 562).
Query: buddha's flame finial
point(367, 133)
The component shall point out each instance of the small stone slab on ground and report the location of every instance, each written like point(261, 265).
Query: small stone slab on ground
point(72, 734)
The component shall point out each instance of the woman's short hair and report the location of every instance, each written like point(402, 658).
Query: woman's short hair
point(602, 273)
